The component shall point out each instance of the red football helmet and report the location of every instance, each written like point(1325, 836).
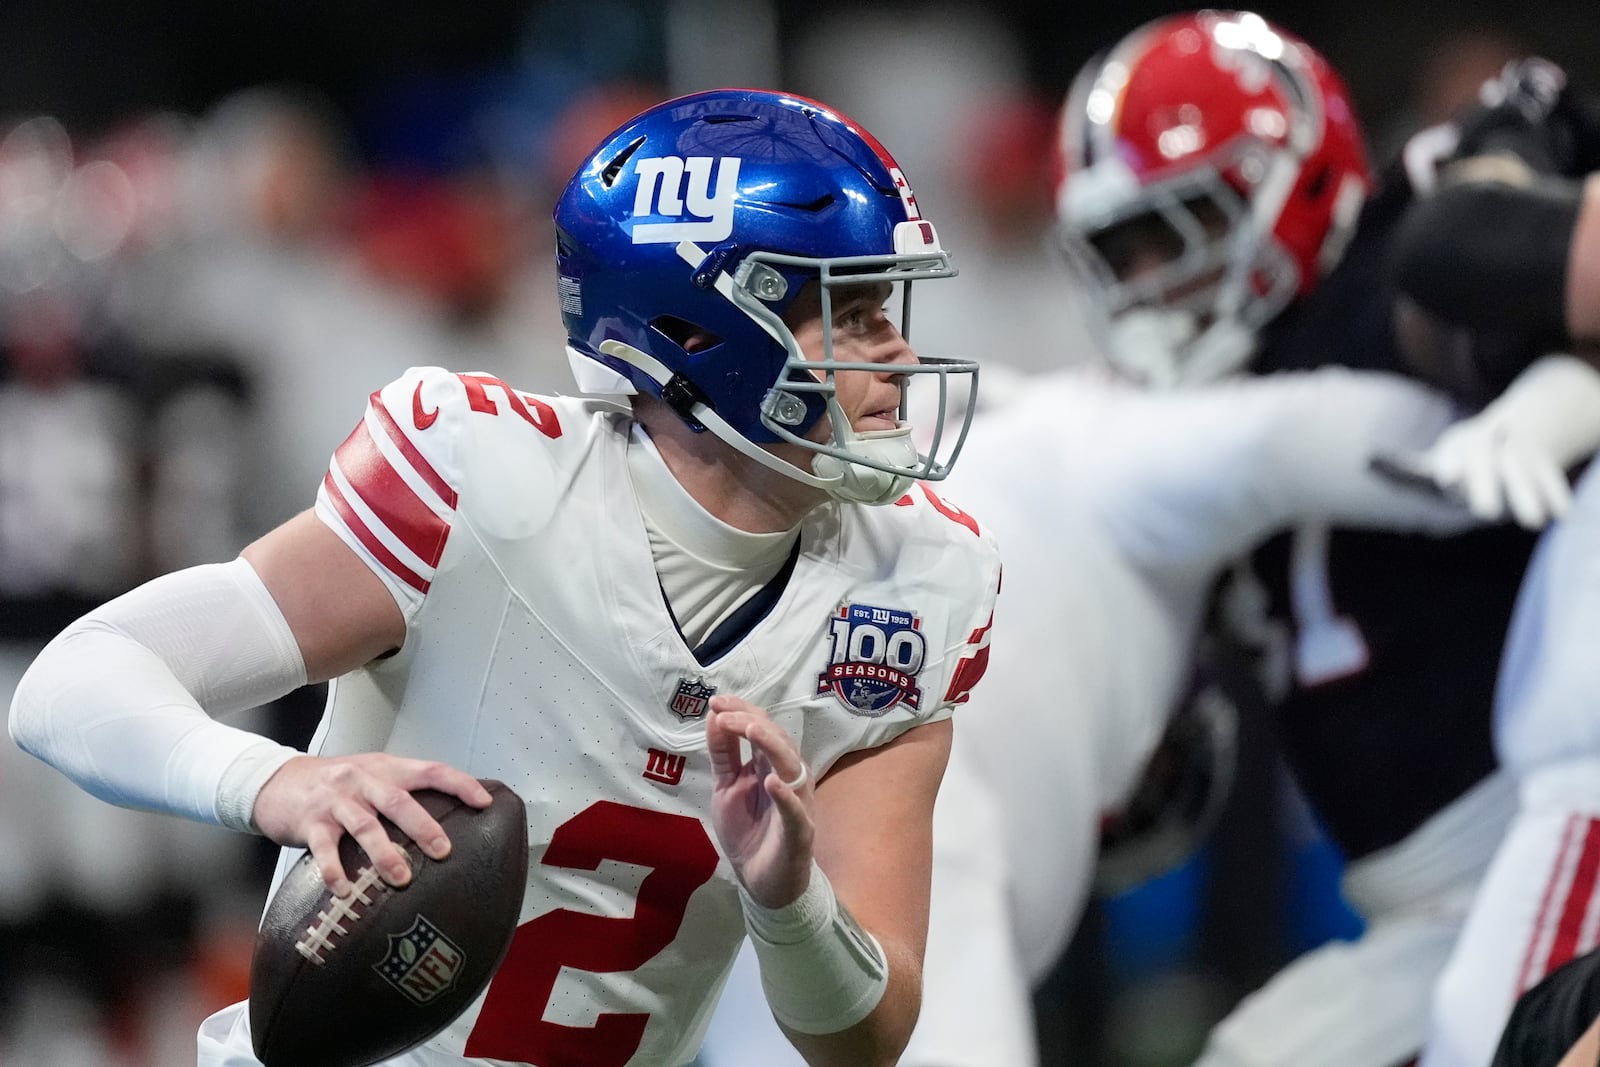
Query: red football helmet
point(1212, 168)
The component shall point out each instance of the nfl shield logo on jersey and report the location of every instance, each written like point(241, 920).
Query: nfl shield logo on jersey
point(689, 702)
point(874, 657)
point(422, 962)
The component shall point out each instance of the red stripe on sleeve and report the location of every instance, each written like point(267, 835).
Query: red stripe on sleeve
point(1578, 898)
point(418, 461)
point(367, 538)
point(1531, 971)
point(387, 495)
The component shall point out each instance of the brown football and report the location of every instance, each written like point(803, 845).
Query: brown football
point(348, 982)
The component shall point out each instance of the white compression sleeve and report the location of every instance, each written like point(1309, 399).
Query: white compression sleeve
point(821, 971)
point(118, 701)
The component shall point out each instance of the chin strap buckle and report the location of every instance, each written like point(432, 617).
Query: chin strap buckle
point(681, 396)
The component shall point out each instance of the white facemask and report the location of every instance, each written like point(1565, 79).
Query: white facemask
point(1165, 348)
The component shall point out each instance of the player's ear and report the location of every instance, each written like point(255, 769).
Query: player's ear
point(700, 340)
point(689, 336)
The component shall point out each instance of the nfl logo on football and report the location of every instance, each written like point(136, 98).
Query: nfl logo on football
point(689, 702)
point(422, 962)
point(874, 657)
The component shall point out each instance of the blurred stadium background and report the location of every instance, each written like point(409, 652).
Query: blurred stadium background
point(221, 225)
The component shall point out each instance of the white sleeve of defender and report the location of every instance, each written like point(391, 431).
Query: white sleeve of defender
point(118, 701)
point(391, 488)
point(1193, 478)
point(1362, 1001)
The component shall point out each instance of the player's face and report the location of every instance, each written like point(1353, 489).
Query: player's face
point(1144, 244)
point(862, 332)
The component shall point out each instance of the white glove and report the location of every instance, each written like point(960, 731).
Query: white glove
point(1513, 456)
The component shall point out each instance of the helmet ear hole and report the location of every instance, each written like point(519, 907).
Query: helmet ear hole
point(685, 334)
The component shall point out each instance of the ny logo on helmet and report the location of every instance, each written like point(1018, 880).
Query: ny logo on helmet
point(662, 192)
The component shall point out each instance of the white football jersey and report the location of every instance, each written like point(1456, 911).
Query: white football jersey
point(539, 651)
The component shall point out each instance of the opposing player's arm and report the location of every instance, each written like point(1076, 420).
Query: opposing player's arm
point(1581, 297)
point(1512, 458)
point(1497, 261)
point(1497, 267)
point(1497, 277)
point(880, 868)
point(1205, 474)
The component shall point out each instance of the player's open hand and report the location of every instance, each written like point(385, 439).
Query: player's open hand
point(1510, 460)
point(313, 802)
point(761, 807)
point(1500, 473)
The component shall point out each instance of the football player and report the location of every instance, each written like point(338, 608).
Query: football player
point(1536, 908)
point(1203, 154)
point(714, 636)
point(1525, 200)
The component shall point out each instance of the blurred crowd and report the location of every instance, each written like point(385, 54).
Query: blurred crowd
point(194, 307)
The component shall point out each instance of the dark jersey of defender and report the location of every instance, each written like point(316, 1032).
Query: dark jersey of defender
point(1379, 750)
point(1550, 1017)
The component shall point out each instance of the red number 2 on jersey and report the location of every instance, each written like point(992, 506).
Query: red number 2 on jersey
point(511, 1025)
point(530, 409)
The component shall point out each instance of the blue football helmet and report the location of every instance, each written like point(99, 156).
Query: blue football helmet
point(705, 216)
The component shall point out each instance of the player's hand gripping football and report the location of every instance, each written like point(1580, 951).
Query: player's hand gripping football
point(761, 807)
point(313, 802)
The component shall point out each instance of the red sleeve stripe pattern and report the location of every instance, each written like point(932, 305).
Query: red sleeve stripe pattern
point(1563, 928)
point(972, 665)
point(414, 459)
point(387, 503)
point(368, 539)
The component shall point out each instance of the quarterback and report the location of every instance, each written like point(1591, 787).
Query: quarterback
point(713, 637)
